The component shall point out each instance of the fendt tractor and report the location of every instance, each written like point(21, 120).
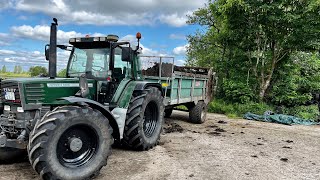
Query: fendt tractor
point(110, 94)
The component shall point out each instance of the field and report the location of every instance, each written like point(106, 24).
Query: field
point(13, 75)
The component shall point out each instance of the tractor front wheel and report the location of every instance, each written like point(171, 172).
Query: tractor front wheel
point(70, 143)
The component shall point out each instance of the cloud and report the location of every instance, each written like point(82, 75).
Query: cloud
point(174, 19)
point(26, 59)
point(145, 50)
point(102, 12)
point(177, 36)
point(42, 33)
point(4, 52)
point(5, 4)
point(5, 39)
point(180, 62)
point(180, 50)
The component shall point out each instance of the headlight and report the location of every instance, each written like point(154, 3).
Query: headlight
point(20, 109)
point(7, 108)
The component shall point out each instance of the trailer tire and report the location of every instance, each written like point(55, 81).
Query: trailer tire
point(198, 113)
point(144, 120)
point(70, 142)
point(168, 112)
point(12, 155)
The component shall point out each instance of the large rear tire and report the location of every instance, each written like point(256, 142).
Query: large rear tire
point(198, 113)
point(70, 143)
point(144, 120)
point(12, 155)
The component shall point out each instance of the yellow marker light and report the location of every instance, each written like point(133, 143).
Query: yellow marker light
point(164, 84)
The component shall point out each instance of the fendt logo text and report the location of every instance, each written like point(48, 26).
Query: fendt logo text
point(8, 90)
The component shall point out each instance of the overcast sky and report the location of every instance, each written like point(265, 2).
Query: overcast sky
point(24, 29)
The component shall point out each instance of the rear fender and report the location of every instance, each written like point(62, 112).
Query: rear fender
point(98, 106)
point(143, 85)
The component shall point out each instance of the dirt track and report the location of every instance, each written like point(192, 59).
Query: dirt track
point(218, 149)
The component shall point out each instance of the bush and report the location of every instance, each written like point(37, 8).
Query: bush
point(237, 109)
point(304, 112)
point(237, 91)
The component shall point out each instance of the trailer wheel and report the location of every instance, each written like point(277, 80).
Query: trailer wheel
point(198, 113)
point(144, 120)
point(70, 143)
point(168, 112)
point(12, 155)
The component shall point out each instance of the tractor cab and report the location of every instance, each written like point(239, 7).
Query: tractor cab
point(102, 59)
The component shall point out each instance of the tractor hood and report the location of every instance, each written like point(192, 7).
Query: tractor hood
point(32, 93)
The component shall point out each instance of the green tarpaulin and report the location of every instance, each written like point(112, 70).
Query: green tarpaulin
point(279, 118)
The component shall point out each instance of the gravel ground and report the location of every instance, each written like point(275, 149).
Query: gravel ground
point(218, 149)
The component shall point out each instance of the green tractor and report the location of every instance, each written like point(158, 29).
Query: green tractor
point(68, 125)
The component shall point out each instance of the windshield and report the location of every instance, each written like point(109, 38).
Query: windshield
point(96, 62)
point(89, 60)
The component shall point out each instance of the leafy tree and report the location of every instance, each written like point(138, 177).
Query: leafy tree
point(4, 69)
point(19, 69)
point(62, 73)
point(255, 36)
point(15, 70)
point(294, 83)
point(38, 71)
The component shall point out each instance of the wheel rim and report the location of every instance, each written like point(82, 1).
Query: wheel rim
point(150, 119)
point(203, 115)
point(77, 146)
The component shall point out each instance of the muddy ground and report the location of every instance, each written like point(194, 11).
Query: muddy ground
point(218, 149)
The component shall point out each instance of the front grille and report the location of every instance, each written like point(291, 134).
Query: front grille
point(35, 93)
point(9, 86)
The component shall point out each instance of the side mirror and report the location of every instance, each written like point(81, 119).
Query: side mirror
point(126, 54)
point(46, 51)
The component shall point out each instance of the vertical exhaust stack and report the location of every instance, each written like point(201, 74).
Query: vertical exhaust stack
point(53, 50)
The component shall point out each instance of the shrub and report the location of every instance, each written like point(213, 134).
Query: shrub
point(304, 112)
point(237, 109)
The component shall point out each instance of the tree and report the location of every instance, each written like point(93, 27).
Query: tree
point(38, 71)
point(19, 69)
point(257, 35)
point(62, 73)
point(4, 69)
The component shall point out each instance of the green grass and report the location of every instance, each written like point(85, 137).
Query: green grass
point(13, 75)
point(237, 110)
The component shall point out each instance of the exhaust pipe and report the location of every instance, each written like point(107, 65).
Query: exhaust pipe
point(53, 50)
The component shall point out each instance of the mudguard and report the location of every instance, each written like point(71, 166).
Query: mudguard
point(143, 85)
point(98, 106)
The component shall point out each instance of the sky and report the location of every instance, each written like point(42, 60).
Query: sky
point(25, 26)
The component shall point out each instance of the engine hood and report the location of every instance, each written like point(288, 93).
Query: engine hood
point(33, 93)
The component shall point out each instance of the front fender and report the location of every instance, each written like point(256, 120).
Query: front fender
point(98, 106)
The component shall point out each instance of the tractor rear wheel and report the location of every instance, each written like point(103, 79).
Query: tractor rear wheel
point(144, 120)
point(198, 113)
point(70, 142)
